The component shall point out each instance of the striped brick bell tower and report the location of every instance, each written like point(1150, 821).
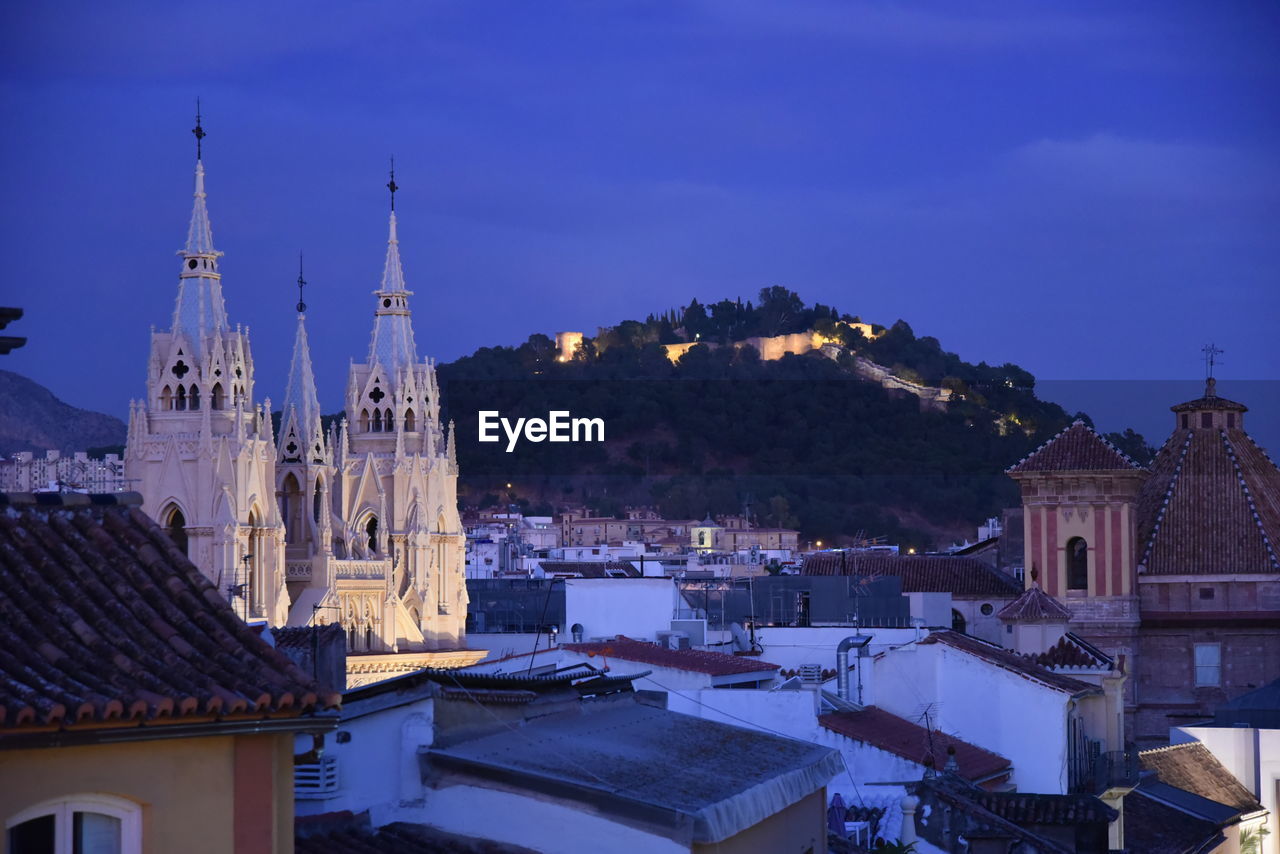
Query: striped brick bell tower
point(1079, 501)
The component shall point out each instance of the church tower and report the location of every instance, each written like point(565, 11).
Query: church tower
point(398, 475)
point(198, 448)
point(1079, 501)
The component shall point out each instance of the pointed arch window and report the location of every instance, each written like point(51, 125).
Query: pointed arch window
point(166, 399)
point(180, 402)
point(389, 419)
point(364, 421)
point(409, 421)
point(316, 502)
point(1077, 564)
point(193, 399)
point(377, 421)
point(175, 525)
point(217, 401)
point(371, 531)
point(291, 509)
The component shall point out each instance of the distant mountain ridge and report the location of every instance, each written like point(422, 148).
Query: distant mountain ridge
point(33, 419)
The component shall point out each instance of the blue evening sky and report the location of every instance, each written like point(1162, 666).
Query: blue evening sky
point(1091, 190)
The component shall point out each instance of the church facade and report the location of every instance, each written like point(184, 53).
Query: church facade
point(356, 523)
point(1170, 569)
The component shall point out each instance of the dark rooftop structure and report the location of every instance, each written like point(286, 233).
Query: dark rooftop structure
point(699, 661)
point(103, 622)
point(590, 568)
point(998, 821)
point(701, 781)
point(960, 576)
point(1153, 827)
point(1259, 709)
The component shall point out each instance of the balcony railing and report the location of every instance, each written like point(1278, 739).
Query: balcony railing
point(1113, 769)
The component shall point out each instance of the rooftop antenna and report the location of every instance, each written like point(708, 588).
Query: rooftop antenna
point(392, 186)
point(302, 283)
point(198, 130)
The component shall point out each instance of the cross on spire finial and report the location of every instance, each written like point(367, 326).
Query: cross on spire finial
point(392, 186)
point(302, 283)
point(198, 130)
point(1211, 354)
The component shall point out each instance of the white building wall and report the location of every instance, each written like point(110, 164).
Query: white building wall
point(1253, 756)
point(368, 777)
point(636, 607)
point(983, 704)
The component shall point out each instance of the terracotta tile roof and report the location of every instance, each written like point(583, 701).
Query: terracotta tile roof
point(1211, 505)
point(964, 576)
point(1023, 808)
point(1034, 605)
point(1193, 768)
point(1077, 448)
point(1155, 828)
point(696, 660)
point(103, 622)
point(1072, 651)
point(1210, 401)
point(1011, 661)
point(915, 743)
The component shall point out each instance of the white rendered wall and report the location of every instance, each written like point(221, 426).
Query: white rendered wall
point(636, 607)
point(790, 647)
point(983, 704)
point(378, 766)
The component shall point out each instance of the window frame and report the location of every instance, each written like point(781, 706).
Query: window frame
point(63, 810)
point(1197, 666)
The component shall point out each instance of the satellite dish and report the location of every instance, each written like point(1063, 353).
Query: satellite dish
point(740, 639)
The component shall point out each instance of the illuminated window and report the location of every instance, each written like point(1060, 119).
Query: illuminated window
point(1208, 664)
point(81, 823)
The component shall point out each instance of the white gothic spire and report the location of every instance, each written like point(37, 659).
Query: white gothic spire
point(200, 311)
point(300, 399)
point(392, 345)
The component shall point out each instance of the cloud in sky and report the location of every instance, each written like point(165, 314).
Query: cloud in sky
point(1084, 190)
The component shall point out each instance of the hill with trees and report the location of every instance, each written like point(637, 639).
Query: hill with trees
point(799, 441)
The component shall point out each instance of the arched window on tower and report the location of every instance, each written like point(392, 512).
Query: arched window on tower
point(409, 423)
point(175, 525)
point(291, 509)
point(389, 420)
point(166, 399)
point(377, 421)
point(1077, 564)
point(217, 400)
point(364, 421)
point(193, 399)
point(371, 529)
point(316, 502)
